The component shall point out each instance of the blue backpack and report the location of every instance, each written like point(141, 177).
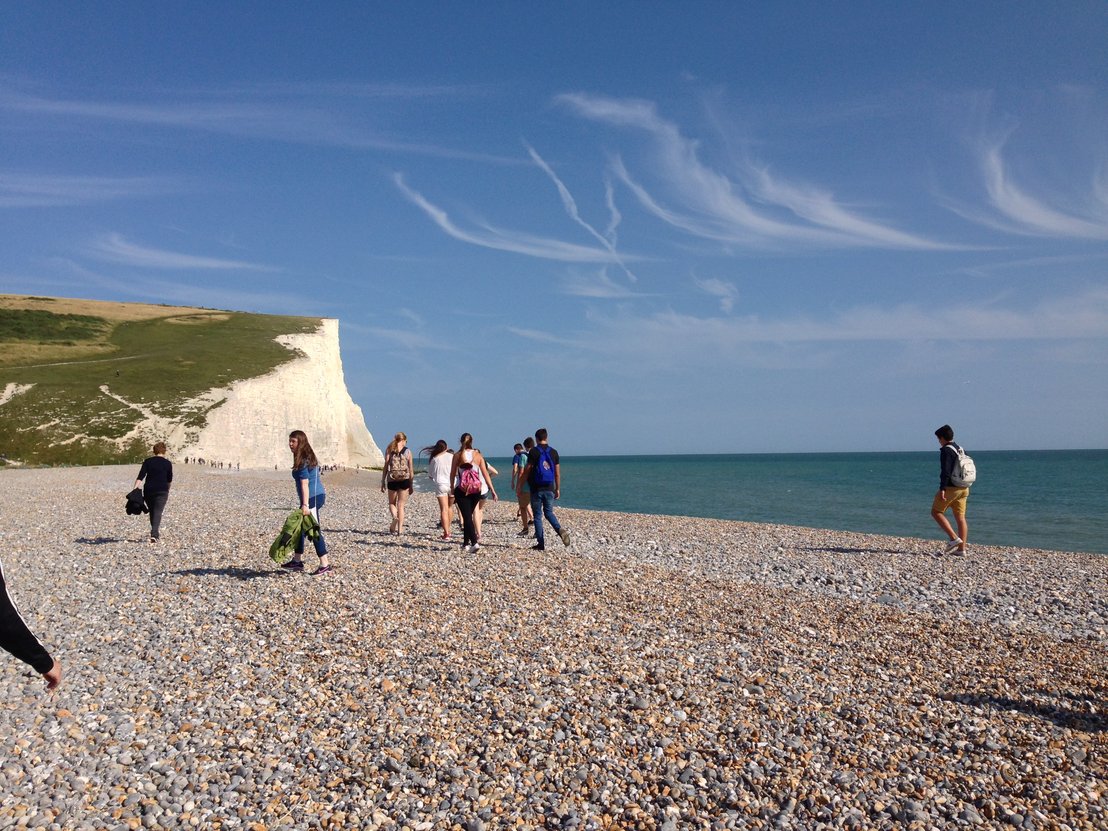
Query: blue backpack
point(544, 470)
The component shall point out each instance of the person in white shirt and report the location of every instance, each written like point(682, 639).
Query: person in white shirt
point(439, 460)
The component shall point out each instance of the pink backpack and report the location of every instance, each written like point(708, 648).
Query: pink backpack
point(470, 480)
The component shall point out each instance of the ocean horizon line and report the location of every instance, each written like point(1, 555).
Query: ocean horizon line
point(717, 454)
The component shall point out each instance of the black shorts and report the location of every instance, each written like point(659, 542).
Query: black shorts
point(399, 484)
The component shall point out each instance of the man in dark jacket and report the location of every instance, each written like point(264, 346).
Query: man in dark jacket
point(543, 475)
point(17, 639)
point(158, 473)
point(950, 496)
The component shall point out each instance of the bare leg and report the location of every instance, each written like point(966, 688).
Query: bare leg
point(401, 498)
point(444, 515)
point(963, 530)
point(525, 517)
point(944, 523)
point(393, 499)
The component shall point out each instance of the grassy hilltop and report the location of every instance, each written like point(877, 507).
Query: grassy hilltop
point(157, 358)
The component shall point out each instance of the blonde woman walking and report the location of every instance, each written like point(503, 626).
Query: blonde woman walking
point(396, 478)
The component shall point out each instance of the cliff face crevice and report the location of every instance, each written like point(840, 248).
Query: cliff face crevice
point(248, 423)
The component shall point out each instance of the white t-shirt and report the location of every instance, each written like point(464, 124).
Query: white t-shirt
point(438, 469)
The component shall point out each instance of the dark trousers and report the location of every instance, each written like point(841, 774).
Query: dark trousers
point(314, 504)
point(156, 503)
point(466, 504)
point(542, 505)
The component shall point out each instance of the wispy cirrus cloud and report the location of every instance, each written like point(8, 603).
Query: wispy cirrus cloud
point(542, 337)
point(754, 208)
point(722, 289)
point(626, 343)
point(519, 242)
point(1053, 262)
point(1019, 212)
point(599, 286)
point(321, 116)
point(607, 239)
point(410, 339)
point(78, 278)
point(1079, 316)
point(114, 248)
point(32, 190)
point(819, 207)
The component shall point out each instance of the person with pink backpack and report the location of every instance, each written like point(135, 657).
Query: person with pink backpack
point(470, 474)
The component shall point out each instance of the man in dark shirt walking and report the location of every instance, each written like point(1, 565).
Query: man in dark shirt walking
point(158, 473)
point(543, 475)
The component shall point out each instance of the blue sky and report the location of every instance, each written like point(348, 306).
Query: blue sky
point(649, 227)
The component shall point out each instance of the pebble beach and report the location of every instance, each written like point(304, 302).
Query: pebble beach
point(659, 673)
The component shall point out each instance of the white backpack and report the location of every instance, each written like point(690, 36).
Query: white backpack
point(965, 471)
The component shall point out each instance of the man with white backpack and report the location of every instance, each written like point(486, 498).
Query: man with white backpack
point(956, 473)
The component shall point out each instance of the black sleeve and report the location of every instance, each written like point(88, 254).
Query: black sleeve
point(169, 472)
point(946, 465)
point(16, 638)
point(142, 471)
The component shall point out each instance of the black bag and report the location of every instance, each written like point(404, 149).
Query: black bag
point(136, 504)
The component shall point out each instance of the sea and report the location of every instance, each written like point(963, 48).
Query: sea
point(1051, 499)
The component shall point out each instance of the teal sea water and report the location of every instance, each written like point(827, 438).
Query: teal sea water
point(1056, 499)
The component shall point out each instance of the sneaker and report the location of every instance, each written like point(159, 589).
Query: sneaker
point(564, 534)
point(473, 549)
point(952, 546)
point(538, 547)
point(959, 552)
point(153, 539)
point(467, 549)
point(293, 565)
point(323, 570)
point(524, 533)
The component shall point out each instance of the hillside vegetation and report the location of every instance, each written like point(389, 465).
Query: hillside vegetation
point(80, 376)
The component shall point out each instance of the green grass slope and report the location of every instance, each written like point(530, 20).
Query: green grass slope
point(156, 358)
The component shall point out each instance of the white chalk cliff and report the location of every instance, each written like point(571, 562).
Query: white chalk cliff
point(251, 426)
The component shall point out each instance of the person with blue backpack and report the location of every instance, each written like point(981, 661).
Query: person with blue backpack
point(543, 475)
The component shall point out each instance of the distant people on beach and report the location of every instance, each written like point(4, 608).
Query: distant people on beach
point(397, 477)
point(543, 475)
point(952, 494)
point(523, 496)
point(155, 477)
point(439, 459)
point(194, 460)
point(20, 641)
point(309, 490)
point(469, 473)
